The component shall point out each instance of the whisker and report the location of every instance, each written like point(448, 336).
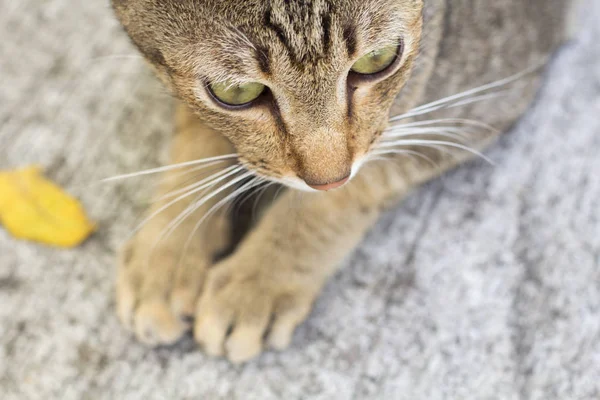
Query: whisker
point(183, 196)
point(476, 90)
point(463, 121)
point(196, 184)
point(430, 143)
point(444, 131)
point(414, 113)
point(441, 149)
point(238, 202)
point(482, 97)
point(177, 175)
point(182, 216)
point(281, 187)
point(376, 157)
point(190, 209)
point(200, 202)
point(258, 197)
point(249, 185)
point(169, 168)
point(411, 153)
point(390, 155)
point(194, 178)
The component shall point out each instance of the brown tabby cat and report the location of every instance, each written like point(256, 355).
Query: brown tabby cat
point(300, 93)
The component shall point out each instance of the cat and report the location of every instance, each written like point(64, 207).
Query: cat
point(345, 104)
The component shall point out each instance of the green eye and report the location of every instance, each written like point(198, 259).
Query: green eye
point(376, 61)
point(237, 95)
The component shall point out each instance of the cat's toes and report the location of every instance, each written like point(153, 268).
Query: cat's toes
point(153, 299)
point(240, 311)
point(289, 314)
point(155, 323)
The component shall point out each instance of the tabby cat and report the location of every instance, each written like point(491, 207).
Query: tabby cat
point(344, 104)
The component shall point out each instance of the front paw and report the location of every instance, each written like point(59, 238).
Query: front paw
point(247, 304)
point(157, 290)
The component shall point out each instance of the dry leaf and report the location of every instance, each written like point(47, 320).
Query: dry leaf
point(33, 208)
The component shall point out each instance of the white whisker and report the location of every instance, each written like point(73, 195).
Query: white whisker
point(432, 143)
point(376, 157)
point(281, 187)
point(447, 121)
point(190, 209)
point(174, 176)
point(259, 196)
point(410, 153)
point(479, 89)
point(199, 183)
point(182, 216)
point(249, 185)
point(183, 196)
point(443, 131)
point(482, 97)
point(415, 113)
point(237, 203)
point(169, 167)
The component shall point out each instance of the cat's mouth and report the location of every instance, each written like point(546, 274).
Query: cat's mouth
point(331, 185)
point(299, 184)
point(295, 182)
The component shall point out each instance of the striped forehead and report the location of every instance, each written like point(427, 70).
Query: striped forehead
point(302, 27)
point(301, 34)
point(312, 31)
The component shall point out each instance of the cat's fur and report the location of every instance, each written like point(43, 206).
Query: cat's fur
point(315, 127)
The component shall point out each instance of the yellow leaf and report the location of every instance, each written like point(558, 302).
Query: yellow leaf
point(33, 208)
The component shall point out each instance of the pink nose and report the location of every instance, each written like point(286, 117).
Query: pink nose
point(329, 186)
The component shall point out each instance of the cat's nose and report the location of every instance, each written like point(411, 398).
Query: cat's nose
point(329, 186)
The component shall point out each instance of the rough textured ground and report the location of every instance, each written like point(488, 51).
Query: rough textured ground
point(484, 285)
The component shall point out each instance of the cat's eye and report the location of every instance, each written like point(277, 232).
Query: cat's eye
point(376, 61)
point(236, 94)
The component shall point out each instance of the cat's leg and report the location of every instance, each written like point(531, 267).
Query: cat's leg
point(157, 288)
point(273, 278)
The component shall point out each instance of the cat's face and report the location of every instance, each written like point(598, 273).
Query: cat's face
point(302, 88)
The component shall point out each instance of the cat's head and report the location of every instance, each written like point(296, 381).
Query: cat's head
point(302, 88)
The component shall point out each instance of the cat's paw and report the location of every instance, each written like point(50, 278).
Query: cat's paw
point(156, 293)
point(246, 306)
